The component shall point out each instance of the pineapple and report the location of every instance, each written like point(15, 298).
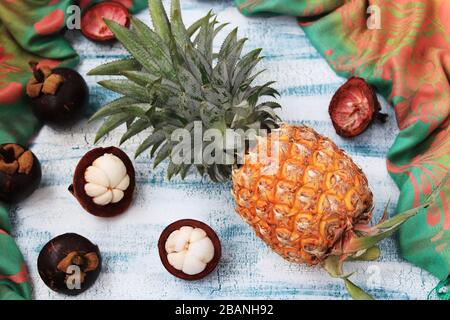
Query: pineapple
point(312, 207)
point(306, 207)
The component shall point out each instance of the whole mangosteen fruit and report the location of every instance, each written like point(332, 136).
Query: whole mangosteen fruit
point(20, 172)
point(69, 264)
point(59, 96)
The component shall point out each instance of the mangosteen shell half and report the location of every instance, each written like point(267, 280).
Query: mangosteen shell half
point(344, 92)
point(195, 224)
point(18, 186)
point(68, 104)
point(55, 251)
point(77, 187)
point(104, 10)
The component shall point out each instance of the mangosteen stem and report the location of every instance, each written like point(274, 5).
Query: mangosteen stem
point(79, 261)
point(382, 117)
point(3, 155)
point(71, 189)
point(37, 73)
point(7, 155)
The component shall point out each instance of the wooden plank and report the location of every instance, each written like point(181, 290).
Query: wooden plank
point(248, 268)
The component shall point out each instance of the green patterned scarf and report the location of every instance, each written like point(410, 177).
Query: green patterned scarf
point(402, 47)
point(29, 30)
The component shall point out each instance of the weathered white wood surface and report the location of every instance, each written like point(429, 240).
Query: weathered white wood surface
point(248, 269)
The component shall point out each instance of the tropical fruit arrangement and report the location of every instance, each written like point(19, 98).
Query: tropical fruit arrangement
point(302, 195)
point(314, 207)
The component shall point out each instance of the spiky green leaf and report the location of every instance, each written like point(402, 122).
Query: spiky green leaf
point(192, 63)
point(112, 123)
point(139, 110)
point(159, 19)
point(145, 79)
point(177, 25)
point(127, 88)
point(184, 170)
point(113, 107)
point(197, 24)
point(140, 78)
point(219, 28)
point(228, 44)
point(127, 38)
point(204, 40)
point(115, 67)
point(333, 265)
point(356, 292)
point(244, 68)
point(153, 139)
point(173, 169)
point(162, 154)
point(154, 45)
point(233, 57)
point(370, 254)
point(135, 128)
point(189, 83)
point(253, 94)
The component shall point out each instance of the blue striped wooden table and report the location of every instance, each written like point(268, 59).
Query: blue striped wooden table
point(248, 269)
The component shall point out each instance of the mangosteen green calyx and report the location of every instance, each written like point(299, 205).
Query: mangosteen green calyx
point(69, 264)
point(104, 182)
point(20, 172)
point(58, 96)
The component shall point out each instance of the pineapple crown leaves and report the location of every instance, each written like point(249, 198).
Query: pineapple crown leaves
point(175, 77)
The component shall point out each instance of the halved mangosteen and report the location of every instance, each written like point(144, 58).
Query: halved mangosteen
point(20, 172)
point(353, 107)
point(189, 249)
point(69, 264)
point(93, 25)
point(104, 182)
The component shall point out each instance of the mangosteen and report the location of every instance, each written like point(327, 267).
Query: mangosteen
point(69, 264)
point(58, 96)
point(353, 107)
point(189, 249)
point(104, 182)
point(20, 172)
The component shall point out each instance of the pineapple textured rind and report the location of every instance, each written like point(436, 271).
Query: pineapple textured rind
point(307, 205)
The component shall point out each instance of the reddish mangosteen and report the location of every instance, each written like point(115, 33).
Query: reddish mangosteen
point(189, 249)
point(104, 182)
point(20, 172)
point(353, 107)
point(94, 27)
point(59, 96)
point(69, 264)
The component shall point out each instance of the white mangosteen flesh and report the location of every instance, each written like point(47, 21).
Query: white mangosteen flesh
point(189, 250)
point(107, 179)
